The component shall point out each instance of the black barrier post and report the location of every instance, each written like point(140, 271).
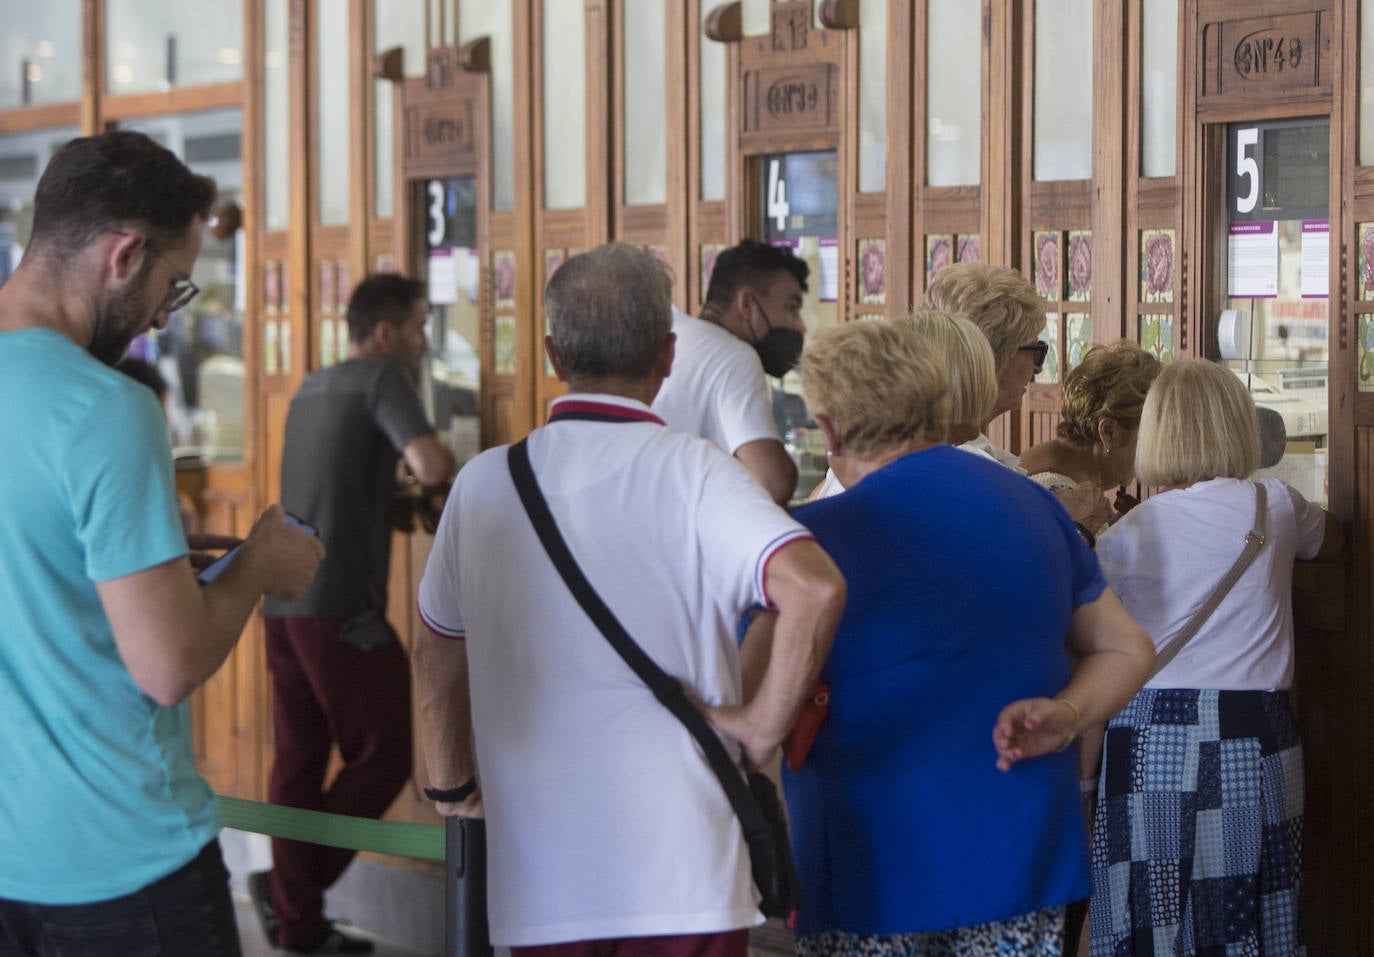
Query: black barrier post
point(465, 890)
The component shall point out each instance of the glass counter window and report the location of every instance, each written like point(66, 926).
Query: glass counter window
point(200, 351)
point(23, 157)
point(1273, 331)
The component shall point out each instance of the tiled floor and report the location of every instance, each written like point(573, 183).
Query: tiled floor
point(255, 945)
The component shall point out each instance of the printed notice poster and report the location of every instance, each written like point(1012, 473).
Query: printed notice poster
point(472, 279)
point(443, 277)
point(1316, 258)
point(1252, 270)
point(828, 267)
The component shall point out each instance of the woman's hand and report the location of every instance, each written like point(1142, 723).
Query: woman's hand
point(1033, 727)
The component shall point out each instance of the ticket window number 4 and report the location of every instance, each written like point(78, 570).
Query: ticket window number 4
point(777, 195)
point(1247, 169)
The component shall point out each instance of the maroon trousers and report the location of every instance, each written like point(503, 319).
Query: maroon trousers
point(729, 943)
point(326, 692)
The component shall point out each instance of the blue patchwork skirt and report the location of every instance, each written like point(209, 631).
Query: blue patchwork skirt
point(1197, 842)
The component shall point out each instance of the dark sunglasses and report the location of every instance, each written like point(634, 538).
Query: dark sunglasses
point(1040, 349)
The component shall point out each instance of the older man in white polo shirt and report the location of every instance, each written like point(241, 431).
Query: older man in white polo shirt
point(608, 831)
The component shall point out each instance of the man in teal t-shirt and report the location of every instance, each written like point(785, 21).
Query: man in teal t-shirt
point(107, 832)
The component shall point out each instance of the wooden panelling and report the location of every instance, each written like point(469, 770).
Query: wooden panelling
point(796, 88)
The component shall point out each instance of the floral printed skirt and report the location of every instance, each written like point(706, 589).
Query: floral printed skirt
point(1037, 934)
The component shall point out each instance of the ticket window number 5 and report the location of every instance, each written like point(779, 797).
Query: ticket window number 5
point(777, 195)
point(1247, 169)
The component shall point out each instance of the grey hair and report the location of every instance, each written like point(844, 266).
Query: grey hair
point(610, 310)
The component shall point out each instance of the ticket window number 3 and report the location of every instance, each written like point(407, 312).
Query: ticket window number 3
point(438, 223)
point(1247, 169)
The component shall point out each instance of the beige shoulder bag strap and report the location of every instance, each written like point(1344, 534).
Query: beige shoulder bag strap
point(1254, 541)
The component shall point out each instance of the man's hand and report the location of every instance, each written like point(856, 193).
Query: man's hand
point(286, 556)
point(733, 722)
point(201, 545)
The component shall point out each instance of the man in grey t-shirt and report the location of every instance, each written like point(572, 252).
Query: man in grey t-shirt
point(339, 674)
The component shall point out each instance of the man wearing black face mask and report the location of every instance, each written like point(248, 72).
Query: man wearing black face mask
point(750, 327)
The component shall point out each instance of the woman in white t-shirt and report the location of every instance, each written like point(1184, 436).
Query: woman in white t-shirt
point(1197, 845)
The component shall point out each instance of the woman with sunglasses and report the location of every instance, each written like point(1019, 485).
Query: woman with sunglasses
point(1006, 307)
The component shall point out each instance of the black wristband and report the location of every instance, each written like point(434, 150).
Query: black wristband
point(1088, 537)
point(452, 795)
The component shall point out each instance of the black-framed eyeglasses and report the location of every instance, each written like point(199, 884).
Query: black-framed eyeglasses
point(1040, 349)
point(180, 290)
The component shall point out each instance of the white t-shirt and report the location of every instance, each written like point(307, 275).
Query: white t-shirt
point(985, 445)
point(1164, 558)
point(603, 817)
point(717, 388)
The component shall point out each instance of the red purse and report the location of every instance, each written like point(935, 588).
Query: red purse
point(797, 745)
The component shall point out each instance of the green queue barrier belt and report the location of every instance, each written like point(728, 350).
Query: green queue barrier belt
point(334, 830)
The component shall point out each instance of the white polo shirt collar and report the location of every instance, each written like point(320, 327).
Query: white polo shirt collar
point(600, 408)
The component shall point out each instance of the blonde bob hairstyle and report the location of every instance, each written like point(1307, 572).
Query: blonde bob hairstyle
point(1110, 383)
point(1198, 423)
point(968, 361)
point(999, 300)
point(879, 385)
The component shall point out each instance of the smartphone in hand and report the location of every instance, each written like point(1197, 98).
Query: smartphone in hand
point(211, 572)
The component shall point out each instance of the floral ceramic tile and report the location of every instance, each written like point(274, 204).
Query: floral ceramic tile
point(1049, 372)
point(543, 350)
point(1078, 336)
point(503, 278)
point(1149, 334)
point(1366, 369)
point(1080, 265)
point(969, 248)
point(1049, 272)
point(328, 344)
point(271, 352)
point(1157, 336)
point(343, 287)
point(553, 258)
point(1157, 265)
point(939, 253)
point(1166, 339)
point(1365, 231)
point(872, 272)
point(271, 288)
point(504, 336)
point(709, 252)
point(329, 291)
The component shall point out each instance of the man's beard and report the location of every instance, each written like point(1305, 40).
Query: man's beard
point(122, 317)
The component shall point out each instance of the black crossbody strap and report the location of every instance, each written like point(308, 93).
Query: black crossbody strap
point(667, 689)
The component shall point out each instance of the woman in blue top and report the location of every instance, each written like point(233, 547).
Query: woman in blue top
point(918, 826)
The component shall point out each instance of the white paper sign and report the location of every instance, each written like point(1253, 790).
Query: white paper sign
point(828, 269)
point(443, 277)
point(1252, 269)
point(1316, 258)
